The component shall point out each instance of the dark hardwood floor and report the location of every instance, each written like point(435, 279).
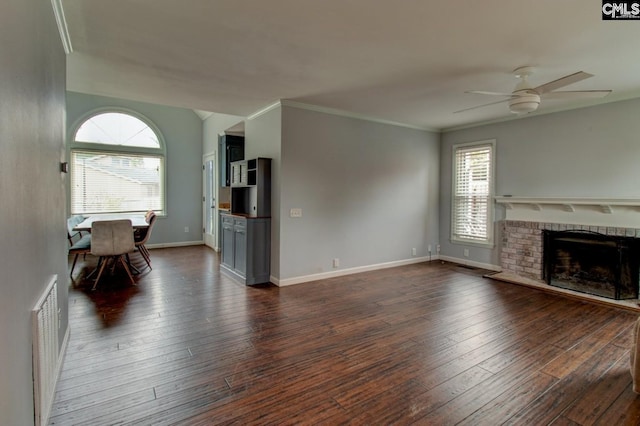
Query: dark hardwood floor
point(429, 343)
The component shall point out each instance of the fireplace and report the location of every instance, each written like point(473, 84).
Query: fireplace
point(591, 262)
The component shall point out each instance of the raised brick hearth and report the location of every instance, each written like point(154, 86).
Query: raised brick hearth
point(521, 252)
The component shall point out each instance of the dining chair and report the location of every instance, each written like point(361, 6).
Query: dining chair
point(79, 243)
point(143, 236)
point(111, 240)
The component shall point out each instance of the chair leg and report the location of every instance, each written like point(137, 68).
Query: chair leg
point(100, 260)
point(75, 259)
point(104, 263)
point(131, 265)
point(146, 252)
point(113, 264)
point(145, 255)
point(126, 267)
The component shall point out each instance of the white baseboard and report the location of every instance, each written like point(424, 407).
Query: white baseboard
point(349, 271)
point(178, 244)
point(468, 262)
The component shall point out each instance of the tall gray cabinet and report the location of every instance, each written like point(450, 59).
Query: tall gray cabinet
point(246, 229)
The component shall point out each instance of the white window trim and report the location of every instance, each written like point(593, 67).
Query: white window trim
point(120, 149)
point(490, 242)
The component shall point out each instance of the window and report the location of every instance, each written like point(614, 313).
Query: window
point(117, 165)
point(472, 217)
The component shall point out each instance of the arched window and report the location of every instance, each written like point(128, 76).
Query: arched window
point(117, 164)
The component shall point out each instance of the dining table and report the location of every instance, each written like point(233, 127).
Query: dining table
point(138, 221)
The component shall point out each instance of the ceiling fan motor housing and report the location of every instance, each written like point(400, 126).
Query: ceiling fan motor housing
point(524, 101)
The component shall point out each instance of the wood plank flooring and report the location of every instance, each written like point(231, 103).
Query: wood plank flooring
point(430, 343)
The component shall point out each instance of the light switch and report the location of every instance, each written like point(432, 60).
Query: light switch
point(295, 213)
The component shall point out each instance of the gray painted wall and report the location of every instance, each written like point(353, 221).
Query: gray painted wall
point(182, 131)
point(368, 191)
point(32, 223)
point(588, 152)
point(263, 139)
point(215, 125)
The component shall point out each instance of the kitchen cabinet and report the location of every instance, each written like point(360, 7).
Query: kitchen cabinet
point(246, 247)
point(239, 174)
point(240, 246)
point(231, 149)
point(246, 229)
point(251, 187)
point(226, 234)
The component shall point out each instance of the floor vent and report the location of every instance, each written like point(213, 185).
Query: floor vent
point(45, 322)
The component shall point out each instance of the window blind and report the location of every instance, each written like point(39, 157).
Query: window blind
point(472, 193)
point(107, 182)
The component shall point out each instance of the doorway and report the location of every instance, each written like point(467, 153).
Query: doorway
point(209, 200)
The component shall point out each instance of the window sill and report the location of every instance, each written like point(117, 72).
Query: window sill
point(487, 245)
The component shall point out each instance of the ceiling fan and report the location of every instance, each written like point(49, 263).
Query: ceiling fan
point(526, 98)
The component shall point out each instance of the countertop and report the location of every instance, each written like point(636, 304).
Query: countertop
point(245, 215)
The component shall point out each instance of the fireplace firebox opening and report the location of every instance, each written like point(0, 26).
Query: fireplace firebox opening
point(593, 263)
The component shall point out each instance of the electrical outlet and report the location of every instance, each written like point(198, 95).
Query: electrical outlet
point(466, 252)
point(186, 229)
point(413, 251)
point(336, 263)
point(295, 212)
point(429, 248)
point(438, 248)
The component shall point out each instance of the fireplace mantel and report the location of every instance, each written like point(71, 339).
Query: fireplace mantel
point(586, 211)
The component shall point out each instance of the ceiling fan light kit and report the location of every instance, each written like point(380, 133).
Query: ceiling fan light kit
point(523, 103)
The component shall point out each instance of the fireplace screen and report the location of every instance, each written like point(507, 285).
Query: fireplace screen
point(603, 265)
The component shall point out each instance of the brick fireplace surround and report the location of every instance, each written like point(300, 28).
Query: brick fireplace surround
point(521, 252)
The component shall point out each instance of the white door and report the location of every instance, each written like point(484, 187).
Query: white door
point(209, 200)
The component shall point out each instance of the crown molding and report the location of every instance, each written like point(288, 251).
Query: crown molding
point(333, 111)
point(58, 11)
point(264, 110)
point(348, 114)
point(203, 114)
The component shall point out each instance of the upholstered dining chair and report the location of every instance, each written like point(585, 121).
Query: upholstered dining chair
point(143, 236)
point(79, 243)
point(111, 240)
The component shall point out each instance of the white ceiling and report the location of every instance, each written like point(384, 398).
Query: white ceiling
point(406, 61)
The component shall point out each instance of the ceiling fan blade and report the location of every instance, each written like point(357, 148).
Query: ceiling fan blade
point(580, 94)
point(484, 105)
point(561, 82)
point(482, 92)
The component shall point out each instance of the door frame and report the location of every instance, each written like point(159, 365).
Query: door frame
point(211, 156)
